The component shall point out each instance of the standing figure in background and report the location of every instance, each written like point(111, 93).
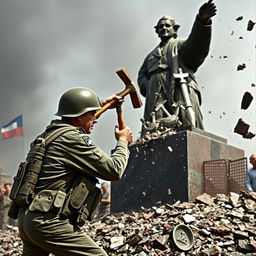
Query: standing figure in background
point(2, 210)
point(159, 76)
point(104, 207)
point(250, 178)
point(5, 202)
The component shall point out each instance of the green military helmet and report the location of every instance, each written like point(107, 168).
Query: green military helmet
point(77, 101)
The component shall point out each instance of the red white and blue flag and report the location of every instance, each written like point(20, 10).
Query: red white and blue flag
point(12, 129)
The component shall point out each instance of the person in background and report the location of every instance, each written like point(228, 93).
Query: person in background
point(5, 202)
point(250, 177)
point(104, 207)
point(2, 220)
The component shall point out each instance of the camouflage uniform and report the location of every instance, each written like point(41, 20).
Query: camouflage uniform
point(72, 153)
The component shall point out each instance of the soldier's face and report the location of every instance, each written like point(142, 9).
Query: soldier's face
point(165, 29)
point(87, 121)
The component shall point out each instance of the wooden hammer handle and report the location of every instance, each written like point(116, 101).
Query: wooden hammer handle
point(120, 118)
point(111, 103)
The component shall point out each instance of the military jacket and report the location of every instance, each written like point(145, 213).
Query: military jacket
point(73, 153)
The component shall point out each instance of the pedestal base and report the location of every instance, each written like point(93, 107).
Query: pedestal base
point(168, 169)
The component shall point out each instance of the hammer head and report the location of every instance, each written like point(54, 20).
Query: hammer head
point(130, 88)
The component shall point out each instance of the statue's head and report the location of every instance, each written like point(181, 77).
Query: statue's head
point(166, 27)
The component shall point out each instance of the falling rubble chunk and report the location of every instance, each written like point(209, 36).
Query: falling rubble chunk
point(217, 229)
point(250, 25)
point(246, 100)
point(239, 18)
point(249, 135)
point(241, 67)
point(242, 129)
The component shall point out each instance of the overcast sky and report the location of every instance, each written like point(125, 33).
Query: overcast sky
point(49, 46)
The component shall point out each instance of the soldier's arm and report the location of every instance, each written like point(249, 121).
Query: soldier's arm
point(85, 157)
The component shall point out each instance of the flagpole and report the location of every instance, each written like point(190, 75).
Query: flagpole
point(23, 140)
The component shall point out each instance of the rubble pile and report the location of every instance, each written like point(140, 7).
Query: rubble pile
point(10, 242)
point(163, 132)
point(221, 225)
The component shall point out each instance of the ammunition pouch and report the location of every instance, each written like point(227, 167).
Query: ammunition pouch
point(82, 200)
point(27, 175)
point(22, 191)
point(47, 200)
point(79, 205)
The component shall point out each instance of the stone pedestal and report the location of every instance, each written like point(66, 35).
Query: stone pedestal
point(168, 169)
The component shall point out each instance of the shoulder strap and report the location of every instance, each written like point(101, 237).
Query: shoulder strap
point(51, 137)
point(56, 134)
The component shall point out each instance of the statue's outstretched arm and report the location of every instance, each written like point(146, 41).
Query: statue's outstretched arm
point(206, 12)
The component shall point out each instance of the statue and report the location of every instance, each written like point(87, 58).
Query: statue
point(166, 78)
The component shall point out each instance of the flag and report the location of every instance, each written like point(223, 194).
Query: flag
point(12, 129)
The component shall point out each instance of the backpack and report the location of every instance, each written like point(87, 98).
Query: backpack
point(28, 172)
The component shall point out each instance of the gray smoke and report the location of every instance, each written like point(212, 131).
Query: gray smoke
point(49, 46)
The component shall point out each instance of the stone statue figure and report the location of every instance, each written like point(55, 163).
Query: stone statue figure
point(166, 78)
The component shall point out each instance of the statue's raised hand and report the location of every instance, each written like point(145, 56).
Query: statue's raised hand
point(206, 11)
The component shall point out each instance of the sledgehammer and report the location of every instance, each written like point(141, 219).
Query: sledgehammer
point(129, 89)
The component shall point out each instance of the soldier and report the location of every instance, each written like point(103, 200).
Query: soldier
point(4, 206)
point(2, 209)
point(156, 77)
point(104, 207)
point(65, 193)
